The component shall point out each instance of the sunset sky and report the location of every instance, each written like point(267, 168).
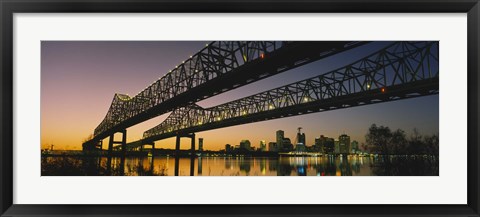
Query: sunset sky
point(80, 78)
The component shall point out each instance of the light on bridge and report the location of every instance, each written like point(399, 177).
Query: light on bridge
point(262, 55)
point(368, 86)
point(305, 99)
point(383, 90)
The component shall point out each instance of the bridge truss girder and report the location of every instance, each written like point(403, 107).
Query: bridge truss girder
point(400, 70)
point(219, 67)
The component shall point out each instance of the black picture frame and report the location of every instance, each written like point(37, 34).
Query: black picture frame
point(9, 7)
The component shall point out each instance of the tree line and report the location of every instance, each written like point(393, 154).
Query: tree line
point(382, 140)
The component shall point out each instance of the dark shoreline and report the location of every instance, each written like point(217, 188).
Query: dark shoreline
point(187, 153)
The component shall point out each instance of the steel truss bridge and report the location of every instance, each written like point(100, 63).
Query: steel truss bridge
point(220, 66)
point(400, 70)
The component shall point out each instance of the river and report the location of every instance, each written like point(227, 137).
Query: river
point(241, 166)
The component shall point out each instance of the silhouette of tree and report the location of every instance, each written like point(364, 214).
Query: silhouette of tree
point(381, 140)
point(378, 139)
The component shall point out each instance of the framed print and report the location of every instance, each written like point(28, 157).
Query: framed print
point(195, 108)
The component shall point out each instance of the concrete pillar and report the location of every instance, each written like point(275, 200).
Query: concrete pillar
point(177, 155)
point(192, 155)
point(109, 155)
point(177, 162)
point(177, 146)
point(192, 166)
point(153, 149)
point(124, 142)
point(110, 145)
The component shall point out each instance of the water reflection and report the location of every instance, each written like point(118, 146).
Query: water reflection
point(241, 166)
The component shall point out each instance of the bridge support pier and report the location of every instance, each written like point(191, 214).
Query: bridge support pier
point(111, 142)
point(153, 149)
point(192, 155)
point(109, 154)
point(177, 146)
point(177, 162)
point(192, 152)
point(177, 155)
point(123, 142)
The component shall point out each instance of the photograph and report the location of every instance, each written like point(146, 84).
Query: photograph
point(239, 108)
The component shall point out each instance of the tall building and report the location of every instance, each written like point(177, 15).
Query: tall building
point(287, 145)
point(245, 145)
point(272, 146)
point(300, 146)
point(200, 144)
point(263, 145)
point(354, 146)
point(320, 144)
point(329, 146)
point(337, 147)
point(280, 136)
point(301, 137)
point(228, 148)
point(317, 146)
point(344, 144)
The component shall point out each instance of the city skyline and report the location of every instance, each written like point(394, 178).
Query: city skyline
point(79, 80)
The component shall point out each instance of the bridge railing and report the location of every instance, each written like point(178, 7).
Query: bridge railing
point(400, 63)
